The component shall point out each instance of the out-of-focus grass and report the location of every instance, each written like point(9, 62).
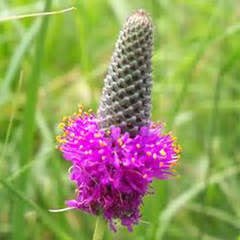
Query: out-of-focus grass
point(196, 89)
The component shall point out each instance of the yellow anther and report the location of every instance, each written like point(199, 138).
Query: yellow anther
point(178, 149)
point(61, 125)
point(69, 124)
point(120, 142)
point(64, 119)
point(149, 154)
point(66, 132)
point(97, 135)
point(174, 138)
point(58, 138)
point(154, 156)
point(174, 164)
point(133, 159)
point(80, 106)
point(102, 143)
point(162, 152)
point(161, 164)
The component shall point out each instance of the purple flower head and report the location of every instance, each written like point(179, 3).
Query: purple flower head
point(113, 171)
point(116, 154)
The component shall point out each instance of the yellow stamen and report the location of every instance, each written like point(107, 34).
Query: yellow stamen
point(162, 152)
point(149, 154)
point(174, 138)
point(161, 164)
point(102, 143)
point(154, 156)
point(154, 125)
point(174, 164)
point(61, 125)
point(65, 119)
point(178, 149)
point(120, 142)
point(97, 135)
point(60, 139)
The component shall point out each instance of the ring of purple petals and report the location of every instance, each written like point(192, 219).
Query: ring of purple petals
point(113, 171)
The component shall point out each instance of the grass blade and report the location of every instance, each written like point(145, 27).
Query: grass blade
point(29, 127)
point(16, 60)
point(2, 155)
point(43, 214)
point(41, 14)
point(216, 213)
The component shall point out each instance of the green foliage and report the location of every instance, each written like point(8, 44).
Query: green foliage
point(63, 63)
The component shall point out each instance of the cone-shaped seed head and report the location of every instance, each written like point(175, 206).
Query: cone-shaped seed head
point(126, 97)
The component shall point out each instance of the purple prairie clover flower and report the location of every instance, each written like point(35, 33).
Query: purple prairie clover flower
point(113, 170)
point(118, 152)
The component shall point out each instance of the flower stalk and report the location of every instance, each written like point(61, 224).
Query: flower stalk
point(99, 228)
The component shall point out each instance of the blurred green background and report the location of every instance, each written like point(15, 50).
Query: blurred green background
point(48, 65)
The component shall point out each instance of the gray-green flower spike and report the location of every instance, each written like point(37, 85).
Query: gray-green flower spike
point(126, 97)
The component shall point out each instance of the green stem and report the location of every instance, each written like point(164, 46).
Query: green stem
point(99, 228)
